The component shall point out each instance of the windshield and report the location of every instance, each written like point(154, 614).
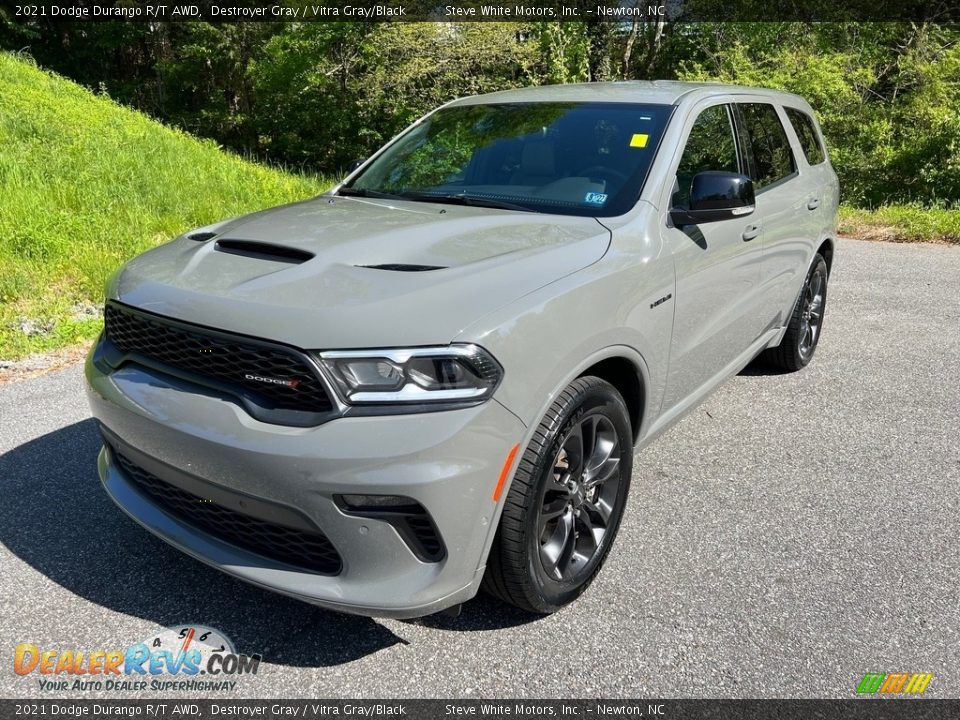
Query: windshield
point(567, 158)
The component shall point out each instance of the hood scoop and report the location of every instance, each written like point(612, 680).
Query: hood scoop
point(404, 267)
point(264, 251)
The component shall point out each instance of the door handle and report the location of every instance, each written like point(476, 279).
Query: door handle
point(813, 204)
point(750, 232)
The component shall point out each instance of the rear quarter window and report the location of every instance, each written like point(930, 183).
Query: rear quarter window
point(807, 134)
point(772, 157)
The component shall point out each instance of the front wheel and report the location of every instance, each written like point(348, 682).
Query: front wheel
point(564, 507)
point(803, 333)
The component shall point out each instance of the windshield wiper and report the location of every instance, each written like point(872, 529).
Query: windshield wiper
point(363, 192)
point(452, 199)
point(464, 199)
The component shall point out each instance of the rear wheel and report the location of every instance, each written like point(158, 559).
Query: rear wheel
point(803, 333)
point(566, 501)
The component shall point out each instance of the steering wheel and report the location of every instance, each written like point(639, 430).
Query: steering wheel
point(604, 172)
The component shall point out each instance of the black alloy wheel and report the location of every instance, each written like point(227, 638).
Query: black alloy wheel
point(562, 511)
point(579, 497)
point(803, 332)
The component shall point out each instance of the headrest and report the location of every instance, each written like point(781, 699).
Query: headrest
point(537, 158)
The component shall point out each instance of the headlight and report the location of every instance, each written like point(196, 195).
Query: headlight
point(448, 374)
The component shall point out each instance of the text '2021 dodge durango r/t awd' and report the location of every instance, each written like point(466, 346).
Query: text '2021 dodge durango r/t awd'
point(434, 377)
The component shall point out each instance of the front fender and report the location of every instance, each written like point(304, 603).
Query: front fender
point(549, 337)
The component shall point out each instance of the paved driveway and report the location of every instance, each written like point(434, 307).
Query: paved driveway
point(791, 534)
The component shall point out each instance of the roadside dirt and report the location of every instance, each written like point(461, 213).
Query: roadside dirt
point(41, 363)
point(853, 230)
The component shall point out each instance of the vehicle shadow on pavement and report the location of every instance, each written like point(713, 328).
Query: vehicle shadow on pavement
point(56, 517)
point(759, 367)
point(481, 613)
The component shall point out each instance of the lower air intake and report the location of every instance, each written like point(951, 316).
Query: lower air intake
point(308, 550)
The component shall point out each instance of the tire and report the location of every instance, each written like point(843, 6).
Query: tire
point(543, 556)
point(799, 343)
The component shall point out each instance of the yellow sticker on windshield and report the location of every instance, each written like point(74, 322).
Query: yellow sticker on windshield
point(639, 140)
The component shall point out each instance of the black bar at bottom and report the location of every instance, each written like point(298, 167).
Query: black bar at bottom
point(227, 709)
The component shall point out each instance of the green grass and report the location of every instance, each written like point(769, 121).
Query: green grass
point(84, 185)
point(902, 223)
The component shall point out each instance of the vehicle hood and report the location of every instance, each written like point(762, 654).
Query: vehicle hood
point(327, 297)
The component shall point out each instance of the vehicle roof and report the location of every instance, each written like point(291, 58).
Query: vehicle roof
point(659, 92)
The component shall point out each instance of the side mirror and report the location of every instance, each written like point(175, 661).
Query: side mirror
point(716, 196)
point(354, 165)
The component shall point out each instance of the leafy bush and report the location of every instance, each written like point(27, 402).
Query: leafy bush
point(331, 93)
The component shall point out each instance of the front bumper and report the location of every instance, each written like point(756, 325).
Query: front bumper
point(448, 462)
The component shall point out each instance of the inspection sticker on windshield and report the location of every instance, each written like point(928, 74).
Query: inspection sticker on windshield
point(639, 140)
point(595, 198)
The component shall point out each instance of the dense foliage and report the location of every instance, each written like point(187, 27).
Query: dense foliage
point(320, 95)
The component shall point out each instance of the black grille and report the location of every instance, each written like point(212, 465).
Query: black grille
point(309, 550)
point(222, 358)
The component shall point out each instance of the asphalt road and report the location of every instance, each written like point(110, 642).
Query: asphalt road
point(791, 534)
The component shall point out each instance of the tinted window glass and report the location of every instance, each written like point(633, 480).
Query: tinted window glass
point(807, 134)
point(772, 157)
point(710, 146)
point(558, 157)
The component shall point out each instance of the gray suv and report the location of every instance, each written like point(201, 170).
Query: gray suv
point(434, 377)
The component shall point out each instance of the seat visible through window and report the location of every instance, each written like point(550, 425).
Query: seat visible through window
point(538, 165)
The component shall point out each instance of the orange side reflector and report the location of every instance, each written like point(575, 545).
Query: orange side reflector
point(506, 471)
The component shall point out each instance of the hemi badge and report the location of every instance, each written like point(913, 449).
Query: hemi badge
point(661, 301)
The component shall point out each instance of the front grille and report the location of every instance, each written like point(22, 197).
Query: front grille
point(308, 550)
point(221, 358)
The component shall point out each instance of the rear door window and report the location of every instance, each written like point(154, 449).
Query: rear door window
point(772, 157)
point(710, 146)
point(807, 133)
